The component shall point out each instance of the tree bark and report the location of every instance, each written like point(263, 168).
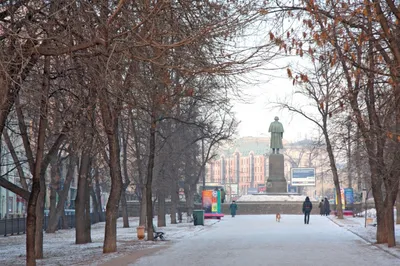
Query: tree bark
point(80, 201)
point(36, 176)
point(40, 217)
point(124, 208)
point(54, 183)
point(62, 197)
point(110, 123)
point(98, 196)
point(127, 181)
point(335, 174)
point(161, 209)
point(189, 195)
point(174, 202)
point(96, 213)
point(88, 222)
point(143, 207)
point(149, 180)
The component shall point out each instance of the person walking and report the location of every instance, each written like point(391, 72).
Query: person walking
point(321, 207)
point(327, 208)
point(233, 208)
point(307, 207)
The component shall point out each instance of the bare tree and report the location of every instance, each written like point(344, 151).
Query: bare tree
point(320, 86)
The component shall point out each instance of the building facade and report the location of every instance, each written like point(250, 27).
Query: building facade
point(243, 167)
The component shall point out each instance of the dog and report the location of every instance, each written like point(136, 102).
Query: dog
point(278, 217)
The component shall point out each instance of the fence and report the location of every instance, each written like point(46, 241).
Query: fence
point(17, 226)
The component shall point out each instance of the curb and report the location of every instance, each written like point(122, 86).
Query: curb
point(365, 239)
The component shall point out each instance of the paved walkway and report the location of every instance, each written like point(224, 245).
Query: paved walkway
point(259, 240)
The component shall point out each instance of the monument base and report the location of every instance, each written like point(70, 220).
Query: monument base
point(276, 182)
point(277, 186)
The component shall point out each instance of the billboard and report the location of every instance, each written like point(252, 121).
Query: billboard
point(211, 201)
point(302, 177)
point(347, 197)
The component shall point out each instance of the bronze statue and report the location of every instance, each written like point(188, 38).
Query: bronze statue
point(276, 130)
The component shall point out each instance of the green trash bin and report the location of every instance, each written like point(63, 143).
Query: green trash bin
point(198, 217)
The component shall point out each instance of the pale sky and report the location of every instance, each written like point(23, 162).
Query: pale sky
point(272, 86)
point(256, 116)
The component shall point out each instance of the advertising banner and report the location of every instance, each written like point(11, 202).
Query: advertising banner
point(342, 197)
point(302, 177)
point(211, 201)
point(349, 196)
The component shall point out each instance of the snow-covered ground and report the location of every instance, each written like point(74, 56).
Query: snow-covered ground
point(60, 248)
point(258, 240)
point(356, 225)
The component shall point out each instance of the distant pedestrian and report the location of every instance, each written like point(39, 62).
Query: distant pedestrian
point(307, 207)
point(321, 207)
point(233, 208)
point(327, 208)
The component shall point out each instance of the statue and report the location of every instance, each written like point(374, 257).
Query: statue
point(276, 130)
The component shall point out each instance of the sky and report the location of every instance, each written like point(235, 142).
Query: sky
point(263, 87)
point(258, 111)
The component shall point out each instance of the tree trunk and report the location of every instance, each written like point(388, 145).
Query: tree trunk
point(40, 218)
point(31, 220)
point(189, 195)
point(389, 222)
point(62, 197)
point(381, 232)
point(88, 222)
point(161, 209)
point(149, 180)
point(53, 196)
point(96, 213)
point(124, 208)
point(64, 219)
point(80, 201)
point(126, 177)
point(335, 174)
point(174, 202)
point(98, 196)
point(110, 123)
point(143, 206)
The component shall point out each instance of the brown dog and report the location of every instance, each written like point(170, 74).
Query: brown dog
point(278, 217)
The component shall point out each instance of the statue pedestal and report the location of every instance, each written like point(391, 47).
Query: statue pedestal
point(276, 182)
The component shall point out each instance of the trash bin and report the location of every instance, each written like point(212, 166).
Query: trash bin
point(198, 217)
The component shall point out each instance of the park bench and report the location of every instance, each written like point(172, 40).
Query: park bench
point(158, 234)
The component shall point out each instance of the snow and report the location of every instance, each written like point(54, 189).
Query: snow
point(243, 240)
point(261, 197)
point(260, 240)
point(356, 225)
point(60, 248)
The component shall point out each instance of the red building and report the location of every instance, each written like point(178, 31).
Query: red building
point(244, 170)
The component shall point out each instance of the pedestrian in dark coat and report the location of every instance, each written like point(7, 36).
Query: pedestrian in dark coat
point(321, 207)
point(307, 207)
point(233, 208)
point(327, 208)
